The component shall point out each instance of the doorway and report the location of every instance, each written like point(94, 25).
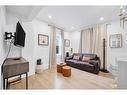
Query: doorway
point(58, 46)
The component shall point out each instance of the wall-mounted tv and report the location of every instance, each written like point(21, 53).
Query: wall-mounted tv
point(19, 38)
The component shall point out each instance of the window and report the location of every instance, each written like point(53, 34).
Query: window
point(58, 42)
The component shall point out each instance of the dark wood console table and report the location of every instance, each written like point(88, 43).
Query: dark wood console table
point(15, 67)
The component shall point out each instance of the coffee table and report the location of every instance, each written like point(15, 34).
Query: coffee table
point(66, 71)
point(59, 67)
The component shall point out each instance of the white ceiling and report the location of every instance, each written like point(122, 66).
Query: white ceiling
point(78, 16)
point(68, 16)
point(24, 12)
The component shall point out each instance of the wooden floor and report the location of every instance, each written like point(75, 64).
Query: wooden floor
point(50, 79)
point(108, 75)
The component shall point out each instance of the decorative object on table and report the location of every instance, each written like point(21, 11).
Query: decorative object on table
point(115, 41)
point(43, 39)
point(39, 67)
point(66, 42)
point(67, 54)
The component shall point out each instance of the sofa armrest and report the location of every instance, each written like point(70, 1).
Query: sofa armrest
point(68, 58)
point(94, 62)
point(96, 65)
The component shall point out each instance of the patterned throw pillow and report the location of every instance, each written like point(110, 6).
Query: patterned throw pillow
point(76, 57)
point(86, 59)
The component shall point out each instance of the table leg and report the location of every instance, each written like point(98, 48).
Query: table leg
point(26, 81)
point(20, 77)
point(3, 83)
point(7, 83)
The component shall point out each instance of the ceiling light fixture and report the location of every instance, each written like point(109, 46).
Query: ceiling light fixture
point(101, 18)
point(123, 10)
point(121, 7)
point(72, 27)
point(50, 16)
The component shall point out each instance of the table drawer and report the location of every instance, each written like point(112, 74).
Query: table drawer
point(12, 70)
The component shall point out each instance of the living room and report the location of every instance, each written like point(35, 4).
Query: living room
point(67, 23)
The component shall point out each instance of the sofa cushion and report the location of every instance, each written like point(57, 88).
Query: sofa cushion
point(76, 57)
point(84, 66)
point(86, 59)
point(84, 63)
point(94, 62)
point(92, 56)
point(77, 54)
point(71, 61)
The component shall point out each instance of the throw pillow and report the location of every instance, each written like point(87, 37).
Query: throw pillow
point(76, 57)
point(86, 59)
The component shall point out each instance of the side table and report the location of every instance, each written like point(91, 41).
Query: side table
point(59, 67)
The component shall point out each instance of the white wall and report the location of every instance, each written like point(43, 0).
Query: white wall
point(11, 18)
point(41, 51)
point(74, 38)
point(32, 51)
point(2, 44)
point(28, 50)
point(114, 53)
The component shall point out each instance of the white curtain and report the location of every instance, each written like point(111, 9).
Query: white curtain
point(62, 46)
point(91, 41)
point(99, 33)
point(86, 40)
point(80, 44)
point(52, 51)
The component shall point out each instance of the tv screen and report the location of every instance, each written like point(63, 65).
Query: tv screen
point(19, 39)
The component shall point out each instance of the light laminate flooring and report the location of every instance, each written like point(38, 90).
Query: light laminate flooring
point(50, 79)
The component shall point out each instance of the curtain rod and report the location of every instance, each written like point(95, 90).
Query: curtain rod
point(49, 24)
point(55, 26)
point(90, 26)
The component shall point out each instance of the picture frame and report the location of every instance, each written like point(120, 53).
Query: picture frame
point(66, 42)
point(115, 41)
point(43, 40)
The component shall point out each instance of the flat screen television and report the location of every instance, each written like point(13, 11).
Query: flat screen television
point(19, 38)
